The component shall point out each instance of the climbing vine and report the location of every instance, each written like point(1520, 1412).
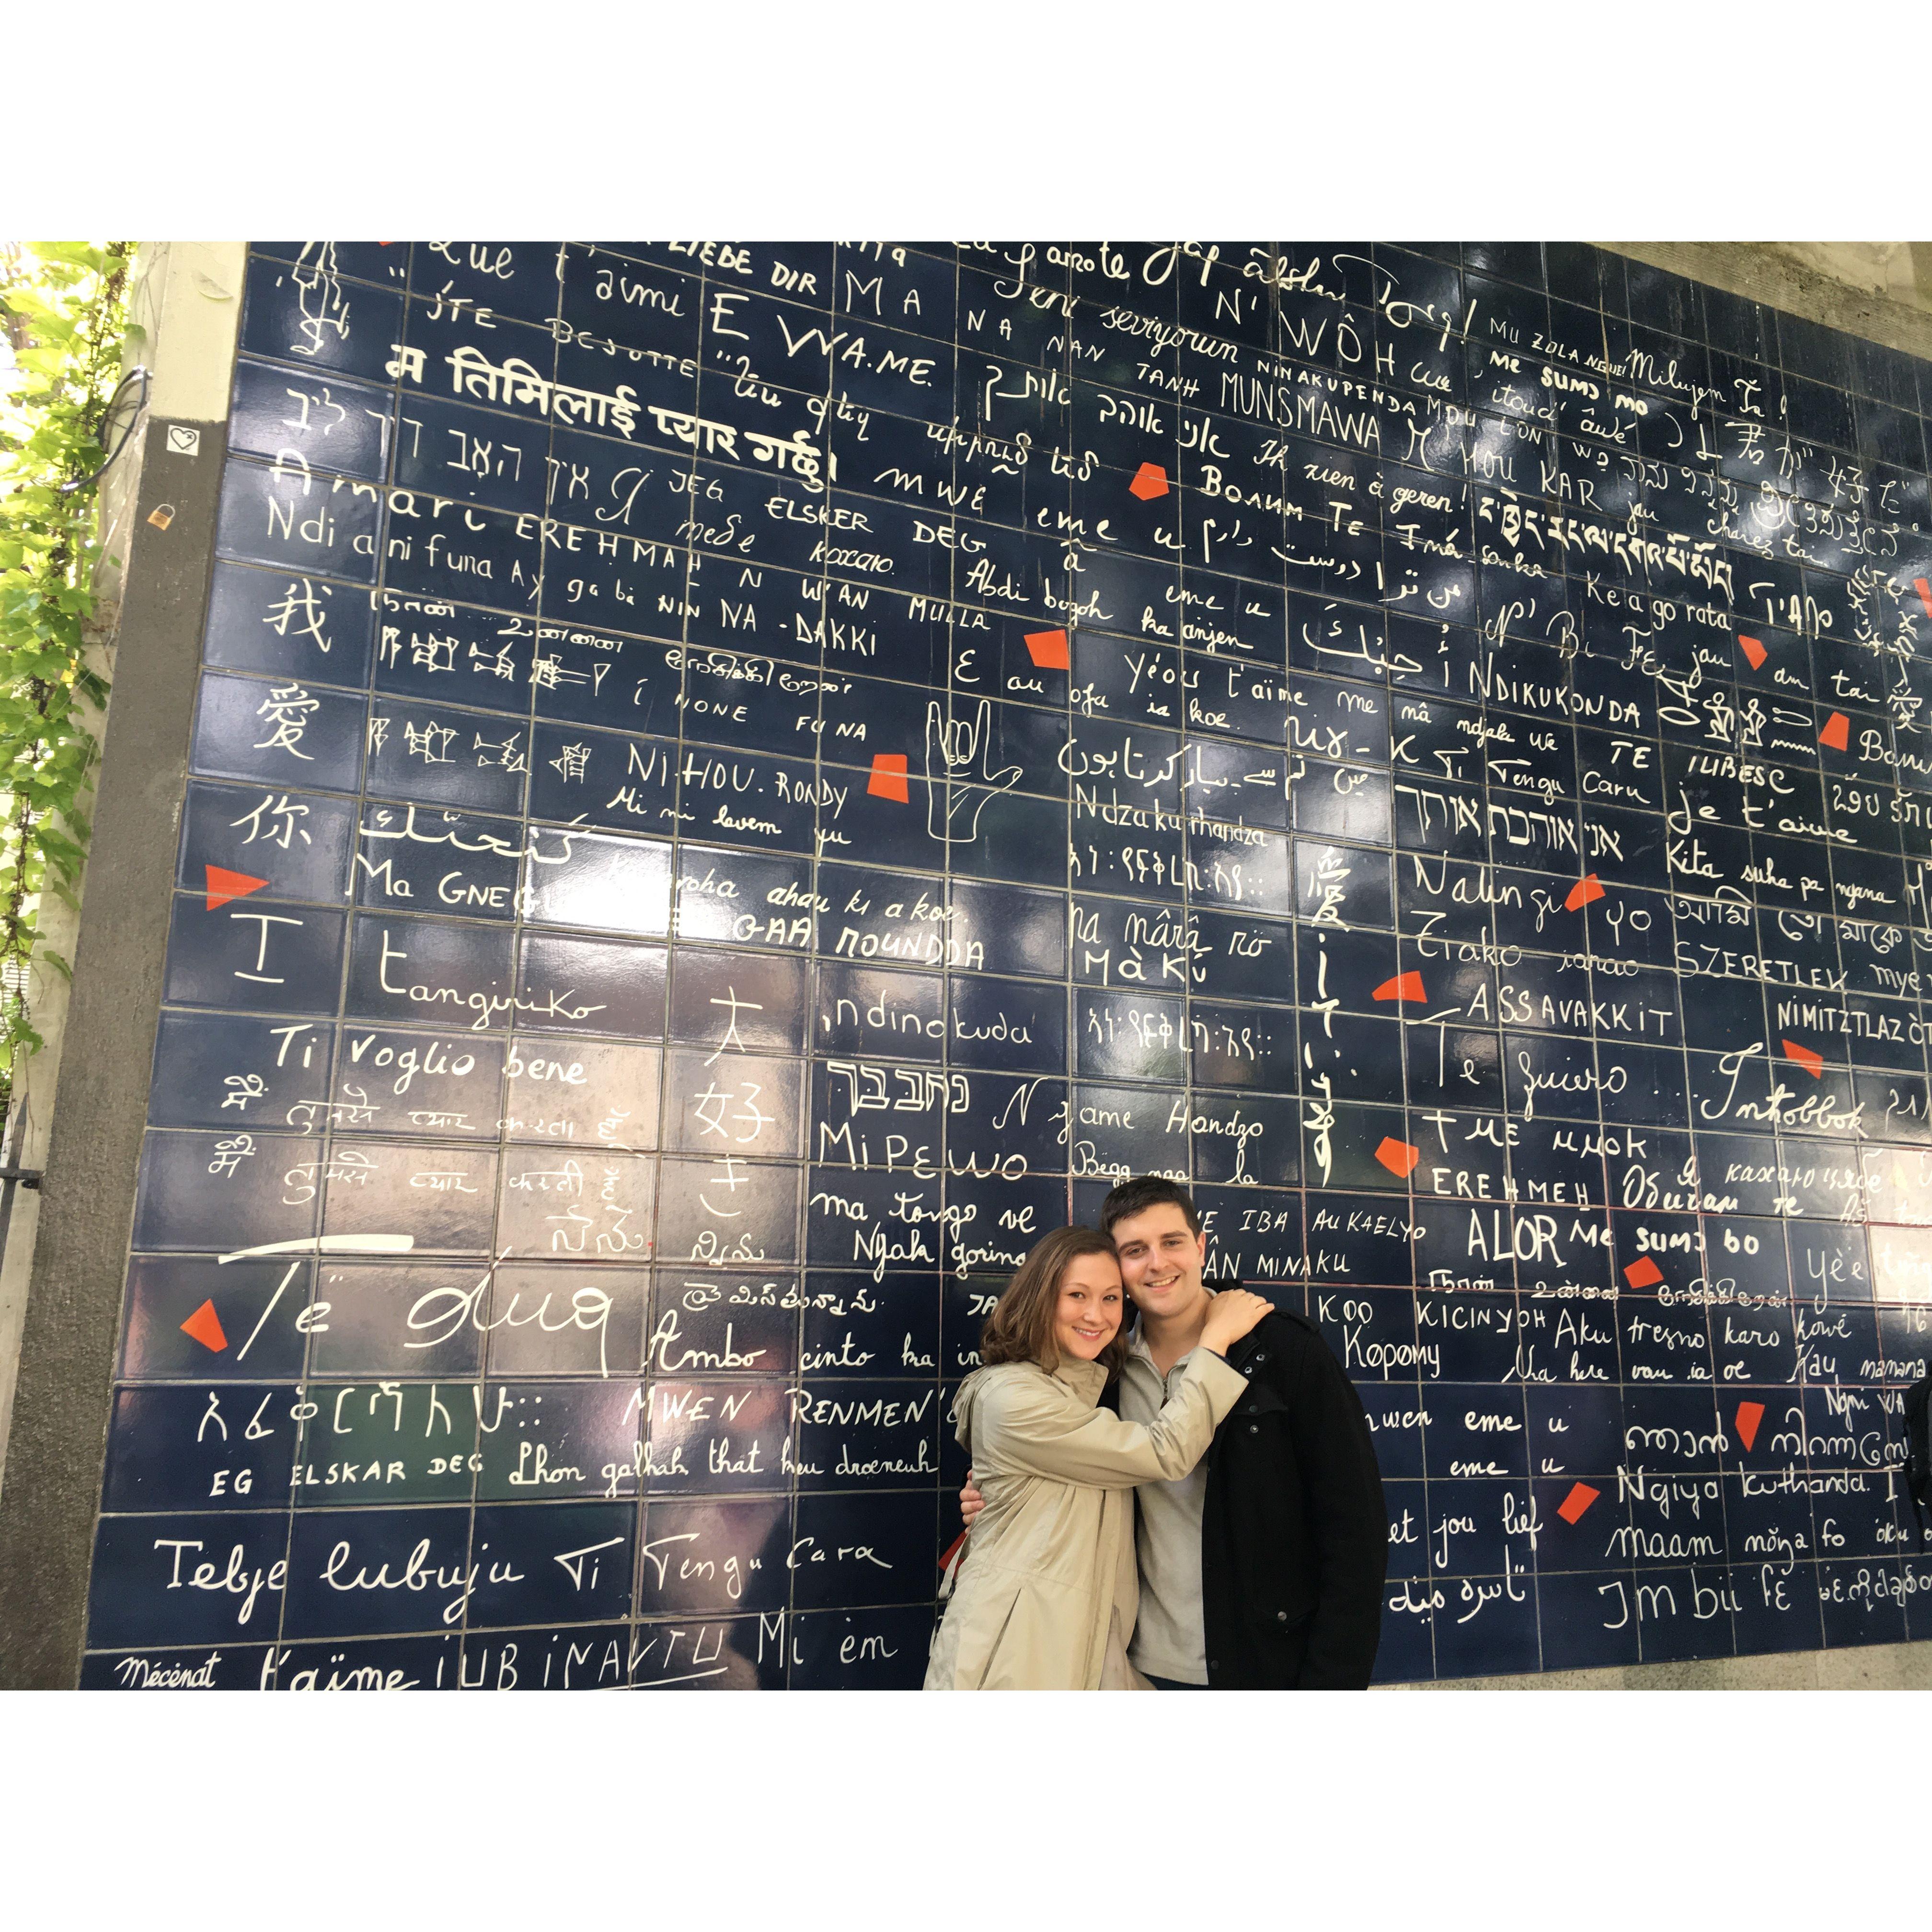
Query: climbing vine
point(63, 309)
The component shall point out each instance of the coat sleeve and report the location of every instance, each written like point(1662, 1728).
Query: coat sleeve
point(1026, 1428)
point(1347, 1518)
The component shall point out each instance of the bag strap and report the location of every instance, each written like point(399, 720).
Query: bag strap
point(948, 1563)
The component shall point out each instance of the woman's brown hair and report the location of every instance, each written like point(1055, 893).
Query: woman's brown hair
point(1020, 1328)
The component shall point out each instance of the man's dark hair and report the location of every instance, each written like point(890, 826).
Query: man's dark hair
point(1143, 1191)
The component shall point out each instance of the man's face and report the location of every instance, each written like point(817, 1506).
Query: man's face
point(1161, 1260)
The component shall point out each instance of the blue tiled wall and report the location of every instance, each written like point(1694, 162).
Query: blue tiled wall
point(734, 786)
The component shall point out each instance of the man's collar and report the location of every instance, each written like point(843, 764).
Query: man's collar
point(1136, 1344)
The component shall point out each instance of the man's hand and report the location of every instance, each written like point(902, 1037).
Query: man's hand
point(970, 1501)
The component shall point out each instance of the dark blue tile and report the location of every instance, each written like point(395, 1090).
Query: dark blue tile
point(282, 734)
point(1862, 1603)
point(197, 1448)
point(386, 263)
point(217, 1667)
point(591, 985)
point(257, 1329)
point(383, 1443)
point(217, 1191)
point(545, 1561)
point(329, 425)
point(368, 1573)
point(511, 278)
point(222, 1070)
point(442, 1197)
point(860, 1650)
point(697, 1557)
point(410, 970)
point(288, 626)
point(871, 1435)
point(305, 312)
point(855, 1326)
point(186, 1579)
point(875, 1220)
point(714, 1654)
point(275, 957)
point(301, 845)
point(1007, 1023)
point(1488, 1626)
point(436, 548)
point(718, 1438)
point(366, 1663)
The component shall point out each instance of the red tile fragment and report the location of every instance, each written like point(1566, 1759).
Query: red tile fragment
point(1755, 653)
point(1403, 986)
point(1643, 1273)
point(1586, 889)
point(1838, 732)
point(888, 777)
point(1581, 1496)
point(1047, 650)
point(205, 1325)
point(223, 885)
point(1750, 1415)
point(1924, 591)
point(1813, 1064)
point(1149, 480)
point(1398, 1156)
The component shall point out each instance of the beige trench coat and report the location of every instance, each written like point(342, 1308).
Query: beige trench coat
point(1046, 1596)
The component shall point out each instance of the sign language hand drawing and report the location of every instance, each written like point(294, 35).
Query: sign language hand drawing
point(951, 750)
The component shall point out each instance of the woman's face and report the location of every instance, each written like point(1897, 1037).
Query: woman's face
point(1088, 1315)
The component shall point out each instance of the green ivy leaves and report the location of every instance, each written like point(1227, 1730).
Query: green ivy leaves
point(63, 313)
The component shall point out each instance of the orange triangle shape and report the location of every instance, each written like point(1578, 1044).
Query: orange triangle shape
point(1838, 732)
point(1403, 986)
point(1581, 1496)
point(1750, 1415)
point(1398, 1156)
point(888, 777)
point(1813, 1064)
point(1586, 889)
point(223, 885)
point(205, 1325)
point(1755, 653)
point(1149, 480)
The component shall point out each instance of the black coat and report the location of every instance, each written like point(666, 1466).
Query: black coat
point(1293, 1532)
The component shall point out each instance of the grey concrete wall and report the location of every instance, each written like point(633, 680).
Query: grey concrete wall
point(1876, 1666)
point(1882, 290)
point(183, 304)
point(51, 1488)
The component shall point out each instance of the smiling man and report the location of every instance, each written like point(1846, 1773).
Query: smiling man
point(1263, 1568)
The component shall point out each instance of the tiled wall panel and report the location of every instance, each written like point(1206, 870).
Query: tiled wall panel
point(734, 786)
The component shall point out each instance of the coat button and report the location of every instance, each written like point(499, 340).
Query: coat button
point(1254, 1429)
point(1281, 1616)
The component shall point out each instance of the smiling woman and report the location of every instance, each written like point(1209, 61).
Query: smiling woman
point(1046, 1593)
point(1072, 1271)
